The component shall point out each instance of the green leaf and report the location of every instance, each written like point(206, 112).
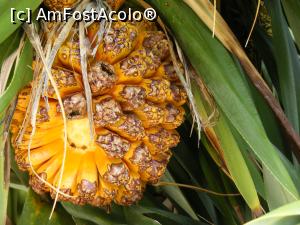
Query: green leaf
point(233, 156)
point(37, 212)
point(134, 218)
point(6, 48)
point(6, 26)
point(224, 79)
point(263, 44)
point(97, 215)
point(215, 183)
point(10, 45)
point(176, 194)
point(252, 166)
point(15, 204)
point(292, 9)
point(273, 130)
point(3, 186)
point(236, 164)
point(183, 220)
point(22, 75)
point(293, 170)
point(288, 63)
point(185, 165)
point(285, 215)
point(82, 222)
point(276, 196)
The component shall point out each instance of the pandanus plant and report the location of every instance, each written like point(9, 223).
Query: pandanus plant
point(169, 121)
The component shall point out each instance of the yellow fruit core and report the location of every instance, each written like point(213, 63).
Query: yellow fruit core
point(78, 132)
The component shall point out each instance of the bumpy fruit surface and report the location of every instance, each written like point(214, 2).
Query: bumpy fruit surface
point(61, 4)
point(137, 104)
